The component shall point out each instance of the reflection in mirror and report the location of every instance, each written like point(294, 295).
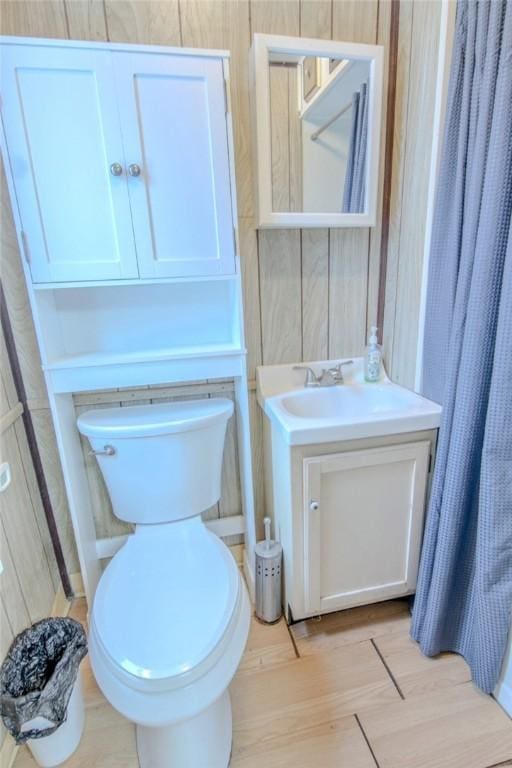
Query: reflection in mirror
point(319, 133)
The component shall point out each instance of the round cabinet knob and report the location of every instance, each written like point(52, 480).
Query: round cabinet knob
point(314, 505)
point(134, 169)
point(116, 169)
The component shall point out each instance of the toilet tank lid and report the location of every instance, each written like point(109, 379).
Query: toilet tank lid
point(154, 419)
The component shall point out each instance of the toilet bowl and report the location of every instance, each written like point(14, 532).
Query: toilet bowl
point(170, 617)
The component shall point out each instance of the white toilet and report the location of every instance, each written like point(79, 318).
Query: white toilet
point(170, 617)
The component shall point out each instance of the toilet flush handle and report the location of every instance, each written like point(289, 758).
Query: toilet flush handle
point(108, 450)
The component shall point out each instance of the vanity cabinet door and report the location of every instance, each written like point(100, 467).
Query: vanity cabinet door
point(363, 520)
point(173, 117)
point(63, 135)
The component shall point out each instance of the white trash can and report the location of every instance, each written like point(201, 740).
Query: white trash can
point(49, 751)
point(41, 696)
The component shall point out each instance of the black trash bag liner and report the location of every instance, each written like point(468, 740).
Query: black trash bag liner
point(38, 674)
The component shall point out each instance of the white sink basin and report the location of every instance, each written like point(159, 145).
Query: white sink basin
point(355, 409)
point(351, 401)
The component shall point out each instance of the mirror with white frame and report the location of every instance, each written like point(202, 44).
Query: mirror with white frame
point(317, 124)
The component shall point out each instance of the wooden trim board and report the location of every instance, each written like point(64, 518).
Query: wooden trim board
point(388, 160)
point(446, 41)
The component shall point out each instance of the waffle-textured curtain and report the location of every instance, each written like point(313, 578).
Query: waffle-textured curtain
point(464, 595)
point(355, 176)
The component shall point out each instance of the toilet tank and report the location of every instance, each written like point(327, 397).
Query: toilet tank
point(161, 462)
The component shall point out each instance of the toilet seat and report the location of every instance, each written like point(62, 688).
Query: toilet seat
point(165, 603)
point(173, 700)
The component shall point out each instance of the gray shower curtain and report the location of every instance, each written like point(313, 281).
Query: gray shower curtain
point(464, 595)
point(355, 175)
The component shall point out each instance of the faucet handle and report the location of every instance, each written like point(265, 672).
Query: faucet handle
point(311, 378)
point(338, 366)
point(329, 377)
point(336, 371)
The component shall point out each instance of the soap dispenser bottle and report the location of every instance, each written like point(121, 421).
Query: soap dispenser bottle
point(373, 357)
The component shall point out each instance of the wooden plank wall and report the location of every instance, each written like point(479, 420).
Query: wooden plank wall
point(286, 139)
point(309, 294)
point(417, 68)
point(30, 579)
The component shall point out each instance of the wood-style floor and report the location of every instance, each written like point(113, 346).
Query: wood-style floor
point(349, 690)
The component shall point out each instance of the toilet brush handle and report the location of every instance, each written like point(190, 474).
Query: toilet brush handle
point(266, 523)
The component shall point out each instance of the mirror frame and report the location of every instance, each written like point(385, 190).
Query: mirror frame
point(262, 46)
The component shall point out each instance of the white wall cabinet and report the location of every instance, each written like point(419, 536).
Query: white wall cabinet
point(120, 160)
point(173, 118)
point(120, 166)
point(363, 515)
point(63, 132)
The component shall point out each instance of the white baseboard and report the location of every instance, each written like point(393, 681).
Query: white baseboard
point(503, 695)
point(503, 691)
point(77, 584)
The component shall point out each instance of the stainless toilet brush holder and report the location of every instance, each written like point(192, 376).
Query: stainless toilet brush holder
point(269, 556)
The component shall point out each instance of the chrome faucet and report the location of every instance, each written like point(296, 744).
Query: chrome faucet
point(329, 377)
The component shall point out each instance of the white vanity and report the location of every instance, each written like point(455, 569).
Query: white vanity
point(347, 473)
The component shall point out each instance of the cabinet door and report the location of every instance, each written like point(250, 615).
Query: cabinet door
point(63, 134)
point(174, 128)
point(363, 521)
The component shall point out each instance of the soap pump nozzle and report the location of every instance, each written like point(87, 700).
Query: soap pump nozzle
point(372, 338)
